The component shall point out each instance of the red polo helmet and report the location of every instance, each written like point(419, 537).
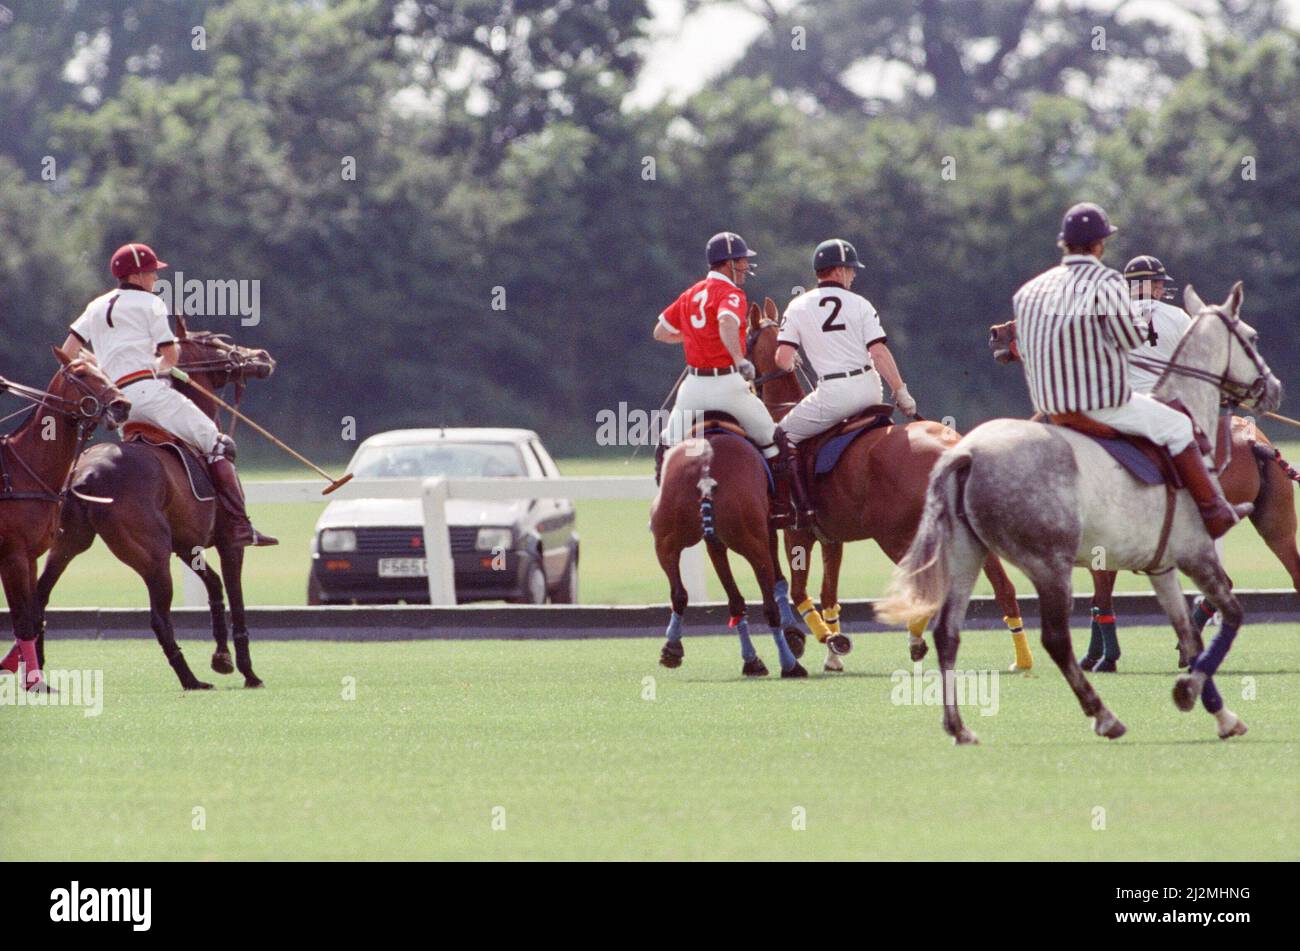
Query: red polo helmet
point(134, 259)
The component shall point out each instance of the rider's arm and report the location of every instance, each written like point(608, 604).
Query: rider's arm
point(666, 334)
point(883, 361)
point(168, 354)
point(668, 327)
point(729, 331)
point(74, 348)
point(787, 355)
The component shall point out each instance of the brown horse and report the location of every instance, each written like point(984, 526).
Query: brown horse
point(715, 486)
point(35, 462)
point(154, 514)
point(876, 491)
point(1255, 473)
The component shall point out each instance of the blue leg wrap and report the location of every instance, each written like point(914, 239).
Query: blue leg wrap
point(1210, 698)
point(675, 627)
point(783, 649)
point(747, 651)
point(1210, 659)
point(781, 591)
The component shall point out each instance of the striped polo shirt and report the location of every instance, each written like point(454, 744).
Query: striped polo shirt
point(1075, 323)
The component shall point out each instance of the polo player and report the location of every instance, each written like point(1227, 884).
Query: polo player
point(1076, 324)
point(127, 330)
point(842, 336)
point(706, 321)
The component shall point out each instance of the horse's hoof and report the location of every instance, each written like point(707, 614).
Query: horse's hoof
point(1104, 666)
point(918, 647)
point(832, 664)
point(965, 737)
point(671, 654)
point(253, 682)
point(839, 644)
point(1109, 726)
point(754, 667)
point(1238, 728)
point(1087, 660)
point(222, 663)
point(795, 671)
point(1182, 659)
point(797, 641)
point(198, 685)
point(1186, 689)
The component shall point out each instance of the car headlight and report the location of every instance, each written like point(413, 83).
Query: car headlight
point(494, 539)
point(338, 539)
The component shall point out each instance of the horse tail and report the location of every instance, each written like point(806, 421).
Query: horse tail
point(706, 485)
point(921, 579)
point(1267, 454)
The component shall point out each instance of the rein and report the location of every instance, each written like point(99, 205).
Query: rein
point(233, 362)
point(751, 341)
point(1234, 393)
point(86, 411)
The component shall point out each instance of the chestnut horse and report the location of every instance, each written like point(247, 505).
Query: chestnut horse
point(715, 486)
point(35, 462)
point(876, 491)
point(154, 514)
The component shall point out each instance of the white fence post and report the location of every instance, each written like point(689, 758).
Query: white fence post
point(193, 592)
point(694, 576)
point(437, 542)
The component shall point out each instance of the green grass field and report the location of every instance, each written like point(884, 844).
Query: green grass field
point(618, 564)
point(556, 740)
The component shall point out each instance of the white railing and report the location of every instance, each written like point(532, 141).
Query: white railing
point(436, 491)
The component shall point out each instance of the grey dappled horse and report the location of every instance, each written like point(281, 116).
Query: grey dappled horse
point(1080, 501)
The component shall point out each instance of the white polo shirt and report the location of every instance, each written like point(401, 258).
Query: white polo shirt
point(834, 326)
point(125, 328)
point(1166, 325)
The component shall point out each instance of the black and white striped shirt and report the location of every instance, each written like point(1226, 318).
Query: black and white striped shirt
point(1075, 323)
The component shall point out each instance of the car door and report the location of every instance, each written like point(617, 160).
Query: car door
point(556, 517)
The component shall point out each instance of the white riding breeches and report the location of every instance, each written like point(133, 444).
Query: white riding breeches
point(1145, 416)
point(154, 401)
point(725, 394)
point(830, 402)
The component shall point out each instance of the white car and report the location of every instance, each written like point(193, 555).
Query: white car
point(371, 551)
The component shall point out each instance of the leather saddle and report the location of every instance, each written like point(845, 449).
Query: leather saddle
point(1147, 462)
point(818, 455)
point(716, 421)
point(196, 470)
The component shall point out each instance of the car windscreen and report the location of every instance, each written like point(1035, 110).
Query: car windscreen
point(454, 460)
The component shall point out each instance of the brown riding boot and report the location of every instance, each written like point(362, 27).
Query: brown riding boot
point(790, 487)
point(231, 494)
point(1217, 514)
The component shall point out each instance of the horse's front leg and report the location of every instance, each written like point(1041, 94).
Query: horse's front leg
point(232, 570)
point(798, 552)
point(1208, 574)
point(837, 643)
point(752, 664)
point(1103, 642)
point(221, 661)
point(18, 573)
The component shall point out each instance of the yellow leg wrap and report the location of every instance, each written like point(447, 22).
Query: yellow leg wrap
point(832, 615)
point(808, 611)
point(917, 628)
point(1024, 658)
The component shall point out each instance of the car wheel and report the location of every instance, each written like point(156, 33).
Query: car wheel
point(534, 590)
point(566, 592)
point(314, 595)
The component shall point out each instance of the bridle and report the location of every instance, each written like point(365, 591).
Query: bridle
point(1234, 393)
point(87, 411)
point(233, 361)
point(751, 341)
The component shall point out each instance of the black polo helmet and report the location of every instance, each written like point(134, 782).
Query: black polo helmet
point(1085, 223)
point(726, 246)
point(836, 252)
point(1147, 267)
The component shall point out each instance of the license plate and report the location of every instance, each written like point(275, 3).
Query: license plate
point(403, 568)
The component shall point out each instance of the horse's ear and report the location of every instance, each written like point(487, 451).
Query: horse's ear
point(770, 311)
point(182, 331)
point(1192, 301)
point(1233, 302)
point(755, 315)
point(63, 357)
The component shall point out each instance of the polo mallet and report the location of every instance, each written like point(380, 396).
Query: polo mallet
point(333, 482)
point(668, 399)
point(1283, 419)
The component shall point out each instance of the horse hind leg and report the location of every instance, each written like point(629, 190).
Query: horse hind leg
point(753, 665)
point(758, 554)
point(1103, 638)
point(1055, 599)
point(965, 559)
point(669, 555)
point(232, 570)
point(794, 635)
point(221, 660)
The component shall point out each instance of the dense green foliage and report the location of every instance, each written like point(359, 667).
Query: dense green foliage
point(493, 148)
